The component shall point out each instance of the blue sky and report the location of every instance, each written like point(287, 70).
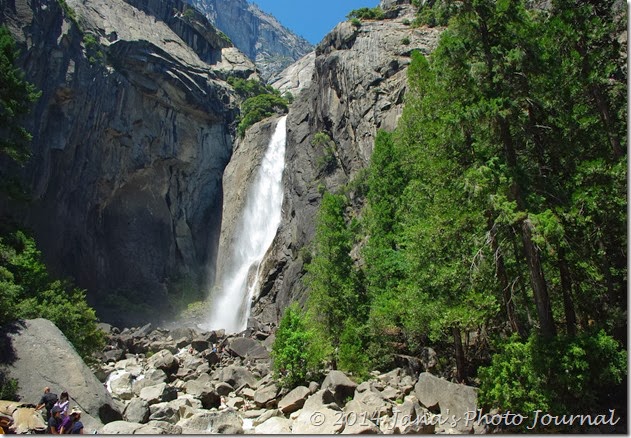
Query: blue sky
point(311, 19)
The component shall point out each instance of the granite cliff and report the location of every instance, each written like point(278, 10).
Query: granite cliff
point(130, 140)
point(257, 34)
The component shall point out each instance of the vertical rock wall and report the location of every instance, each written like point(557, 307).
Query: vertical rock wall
point(130, 140)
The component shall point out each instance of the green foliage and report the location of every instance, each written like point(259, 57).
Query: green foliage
point(327, 161)
point(557, 375)
point(93, 49)
point(405, 41)
point(436, 12)
point(16, 97)
point(356, 22)
point(256, 108)
point(296, 353)
point(247, 88)
point(188, 13)
point(8, 388)
point(337, 304)
point(28, 291)
point(68, 11)
point(375, 13)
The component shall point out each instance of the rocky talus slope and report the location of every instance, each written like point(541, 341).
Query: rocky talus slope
point(357, 87)
point(130, 140)
point(173, 381)
point(257, 34)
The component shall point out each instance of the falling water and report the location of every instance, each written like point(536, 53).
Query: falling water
point(254, 234)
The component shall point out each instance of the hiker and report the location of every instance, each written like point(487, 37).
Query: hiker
point(63, 404)
point(77, 425)
point(48, 400)
point(72, 421)
point(54, 422)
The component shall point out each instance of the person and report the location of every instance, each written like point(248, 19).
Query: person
point(54, 422)
point(48, 400)
point(77, 425)
point(63, 404)
point(68, 424)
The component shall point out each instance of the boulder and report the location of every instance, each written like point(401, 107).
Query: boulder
point(322, 398)
point(165, 411)
point(200, 344)
point(137, 411)
point(265, 397)
point(235, 376)
point(274, 426)
point(321, 421)
point(294, 400)
point(162, 426)
point(247, 348)
point(204, 392)
point(226, 422)
point(58, 366)
point(452, 399)
point(27, 420)
point(266, 416)
point(165, 361)
point(154, 394)
point(121, 386)
point(120, 428)
point(340, 386)
point(223, 388)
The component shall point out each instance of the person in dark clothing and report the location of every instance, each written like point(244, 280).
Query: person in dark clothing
point(48, 400)
point(54, 422)
point(68, 423)
point(77, 425)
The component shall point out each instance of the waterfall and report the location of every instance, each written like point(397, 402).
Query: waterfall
point(254, 233)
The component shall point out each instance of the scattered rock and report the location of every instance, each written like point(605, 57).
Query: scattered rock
point(453, 399)
point(340, 386)
point(294, 400)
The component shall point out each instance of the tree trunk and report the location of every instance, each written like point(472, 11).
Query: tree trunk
point(538, 282)
point(566, 288)
point(461, 364)
point(502, 277)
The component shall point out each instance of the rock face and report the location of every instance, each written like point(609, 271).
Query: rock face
point(357, 88)
point(130, 139)
point(257, 34)
point(37, 355)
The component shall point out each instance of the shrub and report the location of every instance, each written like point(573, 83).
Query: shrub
point(356, 22)
point(561, 375)
point(259, 107)
point(375, 13)
point(28, 291)
point(405, 41)
point(297, 358)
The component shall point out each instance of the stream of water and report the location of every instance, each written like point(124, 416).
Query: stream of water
point(254, 233)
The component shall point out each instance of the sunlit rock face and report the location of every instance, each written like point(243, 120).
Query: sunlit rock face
point(259, 35)
point(130, 140)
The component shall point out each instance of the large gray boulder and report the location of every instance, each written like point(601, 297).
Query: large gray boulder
point(204, 392)
point(340, 386)
point(452, 399)
point(294, 400)
point(274, 426)
point(120, 428)
point(165, 361)
point(235, 376)
point(226, 422)
point(137, 411)
point(37, 355)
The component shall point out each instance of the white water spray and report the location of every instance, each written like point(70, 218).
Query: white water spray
point(254, 234)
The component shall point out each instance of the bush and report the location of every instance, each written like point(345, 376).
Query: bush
point(375, 13)
point(28, 291)
point(563, 375)
point(297, 358)
point(352, 356)
point(259, 107)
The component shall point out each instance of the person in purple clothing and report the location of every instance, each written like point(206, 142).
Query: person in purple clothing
point(69, 424)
